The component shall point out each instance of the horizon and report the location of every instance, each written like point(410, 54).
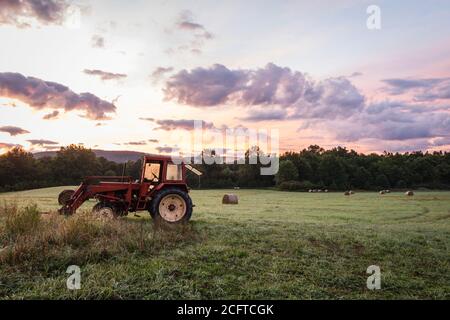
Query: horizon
point(281, 154)
point(136, 77)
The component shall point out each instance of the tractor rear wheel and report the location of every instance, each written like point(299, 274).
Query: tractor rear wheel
point(171, 205)
point(65, 196)
point(105, 210)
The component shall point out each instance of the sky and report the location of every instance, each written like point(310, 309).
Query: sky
point(134, 75)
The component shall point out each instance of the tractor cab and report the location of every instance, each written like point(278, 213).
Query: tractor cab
point(161, 170)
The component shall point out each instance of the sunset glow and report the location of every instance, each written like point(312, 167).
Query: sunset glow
point(117, 75)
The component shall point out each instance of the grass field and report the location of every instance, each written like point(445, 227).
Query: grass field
point(274, 245)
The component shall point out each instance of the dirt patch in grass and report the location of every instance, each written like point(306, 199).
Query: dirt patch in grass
point(329, 245)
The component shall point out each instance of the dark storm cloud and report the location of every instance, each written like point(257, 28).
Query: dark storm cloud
point(17, 12)
point(13, 131)
point(40, 94)
point(42, 142)
point(104, 75)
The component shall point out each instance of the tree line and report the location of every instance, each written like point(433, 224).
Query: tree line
point(310, 168)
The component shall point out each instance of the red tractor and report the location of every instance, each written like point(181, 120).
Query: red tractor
point(162, 190)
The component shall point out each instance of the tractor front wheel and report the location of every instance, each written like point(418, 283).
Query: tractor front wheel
point(105, 210)
point(65, 196)
point(171, 205)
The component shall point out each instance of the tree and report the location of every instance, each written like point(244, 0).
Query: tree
point(382, 181)
point(73, 163)
point(287, 171)
point(331, 170)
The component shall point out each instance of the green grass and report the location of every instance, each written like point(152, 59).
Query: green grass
point(275, 245)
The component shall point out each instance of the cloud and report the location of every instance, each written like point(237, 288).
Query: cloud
point(265, 115)
point(355, 74)
point(7, 146)
point(147, 119)
point(400, 86)
point(390, 121)
point(197, 32)
point(167, 149)
point(97, 41)
point(186, 22)
point(136, 143)
point(13, 131)
point(203, 87)
point(271, 86)
point(104, 75)
point(333, 106)
point(153, 140)
point(159, 73)
point(21, 12)
point(329, 99)
point(40, 94)
point(42, 142)
point(183, 124)
point(442, 141)
point(428, 89)
point(49, 148)
point(51, 115)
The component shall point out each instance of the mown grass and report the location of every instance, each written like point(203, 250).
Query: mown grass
point(271, 245)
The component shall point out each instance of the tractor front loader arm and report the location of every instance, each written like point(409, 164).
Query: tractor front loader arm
point(81, 194)
point(96, 187)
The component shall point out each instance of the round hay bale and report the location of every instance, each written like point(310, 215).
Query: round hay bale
point(382, 192)
point(387, 191)
point(236, 188)
point(326, 190)
point(409, 193)
point(346, 193)
point(320, 190)
point(230, 199)
point(310, 190)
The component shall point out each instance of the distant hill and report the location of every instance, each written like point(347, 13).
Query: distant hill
point(116, 156)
